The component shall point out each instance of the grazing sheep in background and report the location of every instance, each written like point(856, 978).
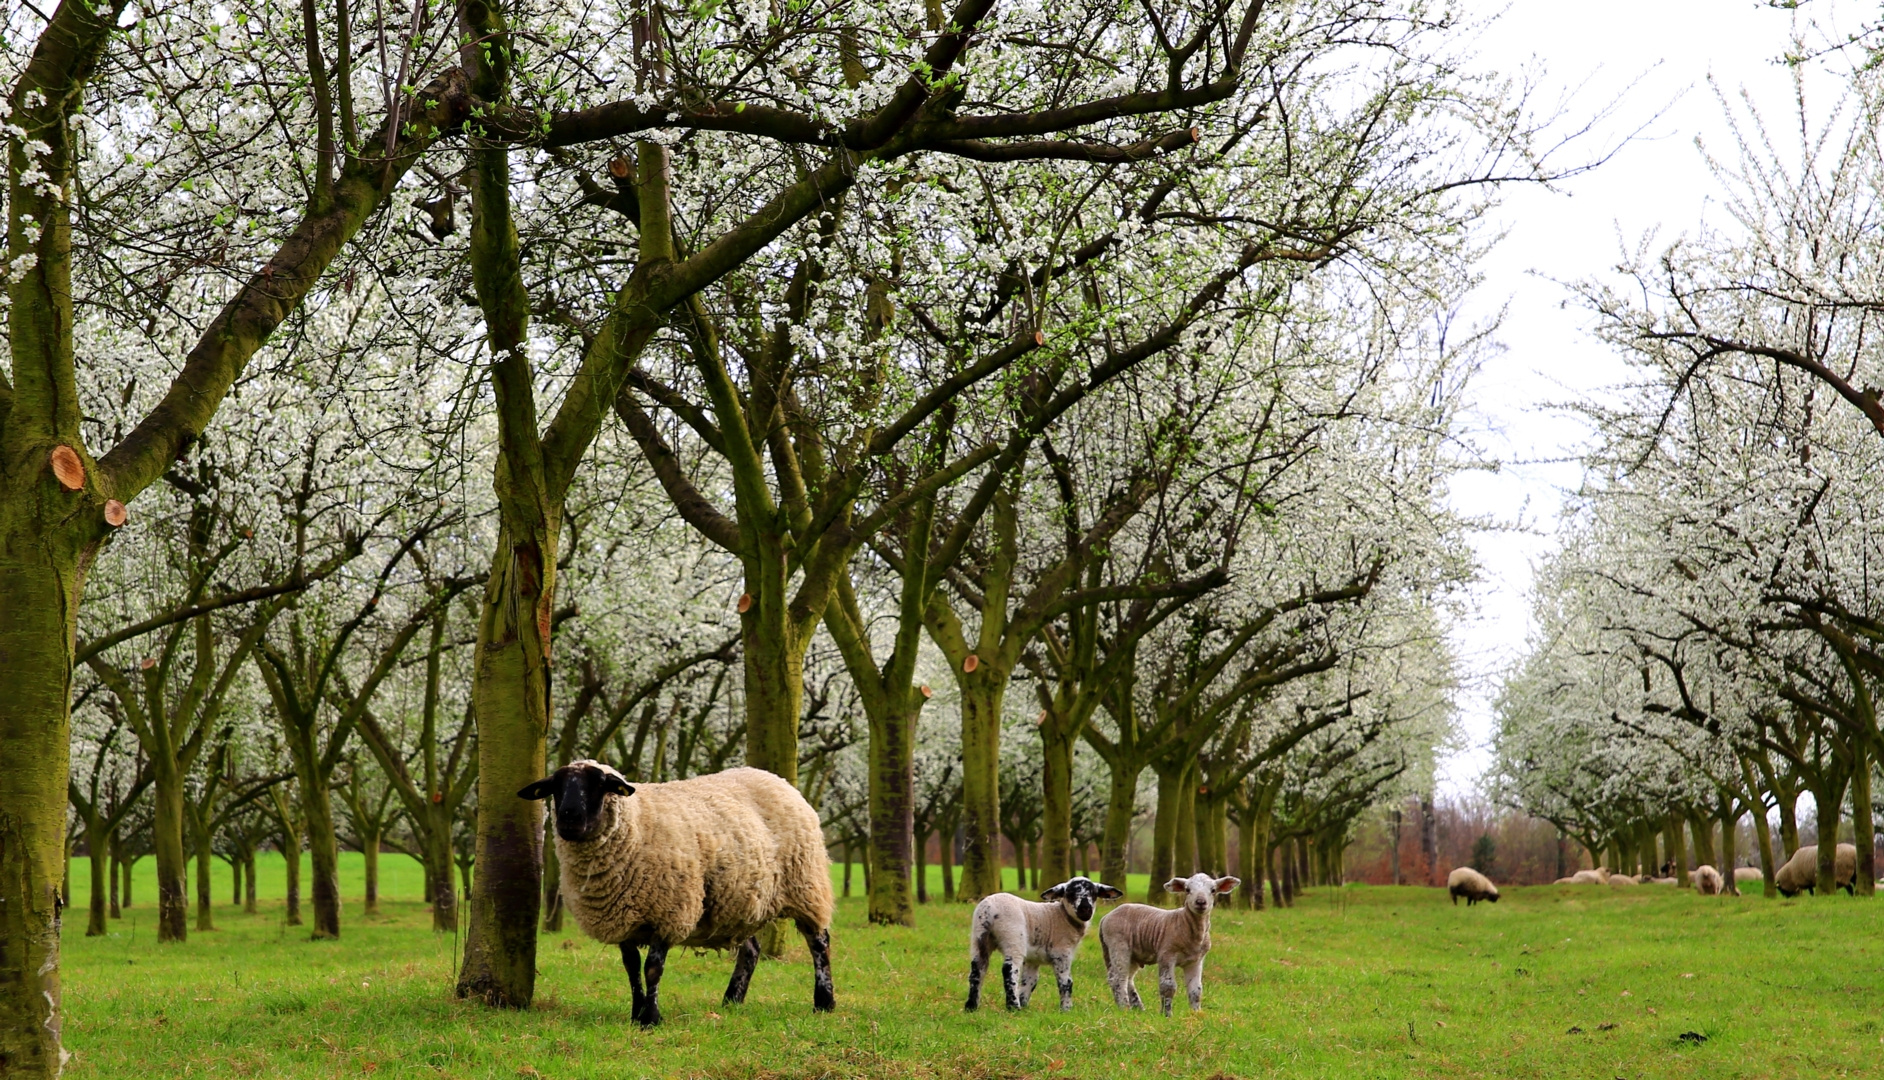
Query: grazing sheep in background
point(1745, 874)
point(702, 863)
point(1622, 881)
point(1707, 881)
point(1597, 876)
point(1032, 934)
point(1659, 881)
point(1472, 885)
point(1801, 872)
point(1132, 936)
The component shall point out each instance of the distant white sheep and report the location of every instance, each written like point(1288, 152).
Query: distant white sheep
point(1707, 881)
point(1133, 936)
point(1032, 934)
point(702, 863)
point(1745, 874)
point(1472, 885)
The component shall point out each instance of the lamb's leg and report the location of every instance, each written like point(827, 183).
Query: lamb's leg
point(823, 994)
point(1063, 976)
point(1007, 982)
point(631, 959)
point(1131, 988)
point(657, 963)
point(1194, 982)
point(1167, 984)
point(1030, 978)
point(744, 961)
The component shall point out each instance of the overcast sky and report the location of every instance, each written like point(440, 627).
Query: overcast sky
point(1657, 183)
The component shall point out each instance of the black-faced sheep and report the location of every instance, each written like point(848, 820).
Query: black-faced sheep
point(1472, 885)
point(1032, 934)
point(1801, 872)
point(701, 863)
point(1132, 936)
point(1708, 882)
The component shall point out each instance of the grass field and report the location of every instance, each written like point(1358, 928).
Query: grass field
point(1354, 982)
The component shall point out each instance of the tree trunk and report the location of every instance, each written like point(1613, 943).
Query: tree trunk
point(1788, 825)
point(317, 808)
point(117, 875)
point(248, 880)
point(982, 694)
point(1056, 813)
point(1728, 845)
point(1399, 819)
point(1164, 831)
point(552, 884)
point(946, 853)
point(1864, 830)
point(369, 851)
point(291, 850)
point(1121, 801)
point(438, 872)
point(1702, 828)
point(1828, 796)
point(922, 869)
point(1184, 858)
point(892, 810)
point(1275, 882)
point(1678, 848)
point(1429, 839)
point(1248, 840)
point(96, 844)
point(205, 863)
point(167, 824)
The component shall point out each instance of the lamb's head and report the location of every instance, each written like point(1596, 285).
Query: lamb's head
point(1201, 890)
point(1078, 895)
point(581, 790)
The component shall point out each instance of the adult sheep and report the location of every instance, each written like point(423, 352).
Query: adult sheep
point(1801, 872)
point(1748, 874)
point(703, 863)
point(1472, 885)
point(1708, 882)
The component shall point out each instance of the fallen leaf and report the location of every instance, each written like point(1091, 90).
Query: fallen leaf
point(1687, 974)
point(1606, 1027)
point(1574, 1031)
point(1652, 1011)
point(1626, 993)
point(714, 1016)
point(1439, 1023)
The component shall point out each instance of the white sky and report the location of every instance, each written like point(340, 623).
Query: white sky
point(1656, 183)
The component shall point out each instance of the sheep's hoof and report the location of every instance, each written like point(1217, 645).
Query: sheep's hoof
point(824, 1004)
point(970, 1006)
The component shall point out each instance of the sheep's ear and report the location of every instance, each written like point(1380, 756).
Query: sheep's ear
point(1054, 893)
point(615, 785)
point(1106, 892)
point(1177, 885)
point(542, 789)
point(1225, 884)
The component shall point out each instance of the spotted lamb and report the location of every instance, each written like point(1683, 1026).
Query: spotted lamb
point(703, 863)
point(1032, 934)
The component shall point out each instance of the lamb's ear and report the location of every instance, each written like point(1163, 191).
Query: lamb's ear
point(1178, 885)
point(1054, 893)
point(1225, 884)
point(1106, 892)
point(542, 789)
point(615, 785)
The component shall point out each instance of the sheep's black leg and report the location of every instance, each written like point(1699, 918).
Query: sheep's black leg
point(1007, 981)
point(657, 962)
point(823, 994)
point(975, 968)
point(743, 962)
point(631, 959)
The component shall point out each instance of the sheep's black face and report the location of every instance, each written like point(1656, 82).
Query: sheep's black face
point(1079, 895)
point(579, 791)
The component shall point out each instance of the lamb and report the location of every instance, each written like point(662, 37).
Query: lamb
point(1707, 881)
point(1032, 934)
point(702, 863)
point(1134, 935)
point(1472, 885)
point(1801, 872)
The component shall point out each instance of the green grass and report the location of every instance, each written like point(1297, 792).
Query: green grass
point(1362, 982)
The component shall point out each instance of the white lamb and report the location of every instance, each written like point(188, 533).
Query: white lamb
point(1133, 936)
point(1032, 934)
point(701, 863)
